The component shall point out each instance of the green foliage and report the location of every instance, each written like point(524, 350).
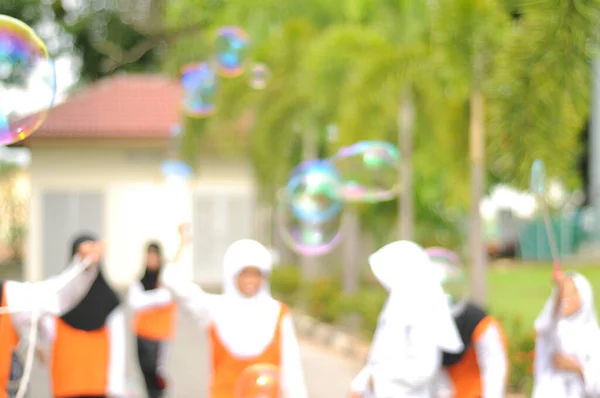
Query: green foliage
point(520, 342)
point(106, 37)
point(542, 93)
point(286, 282)
point(324, 300)
point(347, 63)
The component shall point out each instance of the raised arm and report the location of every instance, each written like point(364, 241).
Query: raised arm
point(189, 295)
point(55, 296)
point(117, 357)
point(139, 299)
point(293, 382)
point(183, 290)
point(491, 357)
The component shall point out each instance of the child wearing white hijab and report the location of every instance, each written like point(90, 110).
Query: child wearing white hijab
point(567, 347)
point(414, 328)
point(246, 325)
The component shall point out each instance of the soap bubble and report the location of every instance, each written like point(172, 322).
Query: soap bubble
point(27, 81)
point(313, 191)
point(259, 77)
point(231, 47)
point(369, 170)
point(451, 273)
point(199, 83)
point(259, 381)
point(308, 238)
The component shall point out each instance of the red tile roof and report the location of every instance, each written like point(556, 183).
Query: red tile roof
point(125, 106)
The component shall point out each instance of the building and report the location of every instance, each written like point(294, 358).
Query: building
point(96, 166)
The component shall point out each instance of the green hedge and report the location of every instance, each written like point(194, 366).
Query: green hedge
point(323, 300)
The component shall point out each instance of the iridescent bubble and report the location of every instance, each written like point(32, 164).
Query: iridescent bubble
point(175, 130)
point(199, 83)
point(176, 170)
point(370, 171)
point(313, 191)
point(305, 237)
point(259, 381)
point(27, 81)
point(451, 273)
point(538, 177)
point(259, 77)
point(231, 48)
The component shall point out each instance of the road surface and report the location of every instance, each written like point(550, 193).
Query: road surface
point(328, 375)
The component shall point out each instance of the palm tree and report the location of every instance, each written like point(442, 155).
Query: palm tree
point(529, 68)
point(467, 36)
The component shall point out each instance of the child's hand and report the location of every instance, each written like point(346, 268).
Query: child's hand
point(92, 251)
point(354, 394)
point(558, 276)
point(184, 233)
point(565, 363)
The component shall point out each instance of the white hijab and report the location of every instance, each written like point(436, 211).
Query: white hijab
point(246, 325)
point(406, 271)
point(577, 335)
point(573, 332)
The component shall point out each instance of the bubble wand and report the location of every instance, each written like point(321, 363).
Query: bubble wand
point(538, 187)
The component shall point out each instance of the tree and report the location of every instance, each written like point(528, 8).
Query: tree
point(107, 37)
point(468, 34)
point(543, 90)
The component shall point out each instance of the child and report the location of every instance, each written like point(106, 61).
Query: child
point(481, 368)
point(54, 296)
point(88, 342)
point(245, 324)
point(567, 347)
point(414, 327)
point(154, 321)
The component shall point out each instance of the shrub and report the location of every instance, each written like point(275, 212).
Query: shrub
point(367, 303)
point(325, 302)
point(286, 283)
point(521, 346)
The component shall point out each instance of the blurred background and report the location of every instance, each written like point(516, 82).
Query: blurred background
point(471, 91)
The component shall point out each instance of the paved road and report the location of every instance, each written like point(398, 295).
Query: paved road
point(328, 375)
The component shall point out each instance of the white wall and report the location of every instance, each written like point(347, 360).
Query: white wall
point(135, 191)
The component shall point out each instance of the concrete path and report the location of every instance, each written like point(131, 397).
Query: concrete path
point(327, 374)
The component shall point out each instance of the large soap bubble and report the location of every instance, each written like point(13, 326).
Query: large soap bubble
point(27, 81)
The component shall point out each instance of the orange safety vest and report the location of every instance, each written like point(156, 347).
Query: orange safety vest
point(9, 338)
point(79, 361)
point(226, 367)
point(156, 323)
point(466, 374)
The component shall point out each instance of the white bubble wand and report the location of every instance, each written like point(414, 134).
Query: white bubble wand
point(538, 187)
point(32, 338)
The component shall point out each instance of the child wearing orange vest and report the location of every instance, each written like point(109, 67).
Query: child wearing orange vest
point(480, 370)
point(55, 296)
point(154, 321)
point(88, 342)
point(246, 325)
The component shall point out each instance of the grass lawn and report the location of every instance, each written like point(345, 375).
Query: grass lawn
point(522, 290)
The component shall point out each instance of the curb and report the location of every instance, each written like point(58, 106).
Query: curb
point(339, 341)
